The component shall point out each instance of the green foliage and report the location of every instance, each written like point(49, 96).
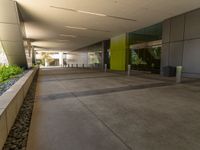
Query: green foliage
point(7, 72)
point(138, 61)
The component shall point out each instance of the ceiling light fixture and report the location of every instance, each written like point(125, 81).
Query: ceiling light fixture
point(78, 28)
point(93, 13)
point(84, 28)
point(98, 30)
point(62, 40)
point(65, 35)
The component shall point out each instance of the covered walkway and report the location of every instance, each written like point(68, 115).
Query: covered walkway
point(80, 109)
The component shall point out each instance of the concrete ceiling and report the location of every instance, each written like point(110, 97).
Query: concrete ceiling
point(46, 20)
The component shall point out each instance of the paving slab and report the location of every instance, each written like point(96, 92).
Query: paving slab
point(80, 109)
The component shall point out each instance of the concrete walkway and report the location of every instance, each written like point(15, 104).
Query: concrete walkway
point(79, 109)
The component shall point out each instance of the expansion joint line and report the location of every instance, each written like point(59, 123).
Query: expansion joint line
point(95, 115)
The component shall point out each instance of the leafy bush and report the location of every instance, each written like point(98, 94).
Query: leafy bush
point(7, 72)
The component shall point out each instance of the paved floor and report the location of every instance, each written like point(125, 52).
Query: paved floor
point(79, 109)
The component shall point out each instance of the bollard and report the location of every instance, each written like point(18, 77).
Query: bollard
point(129, 70)
point(83, 65)
point(179, 74)
point(76, 65)
point(68, 65)
point(105, 69)
point(72, 65)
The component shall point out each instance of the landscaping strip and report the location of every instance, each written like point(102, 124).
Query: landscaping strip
point(18, 135)
point(4, 86)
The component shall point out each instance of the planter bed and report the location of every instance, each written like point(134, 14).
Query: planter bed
point(7, 84)
point(18, 135)
point(11, 101)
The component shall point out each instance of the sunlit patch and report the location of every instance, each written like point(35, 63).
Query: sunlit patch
point(3, 58)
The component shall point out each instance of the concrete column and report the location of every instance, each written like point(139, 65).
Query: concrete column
point(46, 62)
point(61, 59)
point(33, 55)
point(11, 35)
point(119, 52)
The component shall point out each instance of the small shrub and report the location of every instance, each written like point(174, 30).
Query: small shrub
point(7, 72)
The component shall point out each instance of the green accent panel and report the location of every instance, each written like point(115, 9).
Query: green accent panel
point(118, 51)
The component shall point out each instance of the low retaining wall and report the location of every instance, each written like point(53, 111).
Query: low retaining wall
point(10, 103)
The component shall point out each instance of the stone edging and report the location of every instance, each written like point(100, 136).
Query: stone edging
point(10, 103)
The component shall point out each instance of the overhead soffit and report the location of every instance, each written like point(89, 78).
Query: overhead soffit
point(46, 20)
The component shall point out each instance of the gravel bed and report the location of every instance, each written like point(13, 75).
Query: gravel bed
point(7, 84)
point(18, 135)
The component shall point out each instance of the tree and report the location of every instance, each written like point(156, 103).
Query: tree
point(46, 58)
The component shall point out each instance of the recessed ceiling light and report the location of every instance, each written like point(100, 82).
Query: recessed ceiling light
point(93, 13)
point(66, 35)
point(99, 30)
point(80, 11)
point(78, 28)
point(62, 40)
point(84, 28)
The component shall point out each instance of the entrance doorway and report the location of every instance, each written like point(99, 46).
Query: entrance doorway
point(145, 48)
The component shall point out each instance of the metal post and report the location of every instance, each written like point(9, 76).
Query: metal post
point(76, 65)
point(129, 70)
point(178, 74)
point(68, 66)
point(72, 65)
point(105, 69)
point(83, 65)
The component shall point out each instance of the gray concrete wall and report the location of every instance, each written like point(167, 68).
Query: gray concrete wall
point(11, 35)
point(181, 43)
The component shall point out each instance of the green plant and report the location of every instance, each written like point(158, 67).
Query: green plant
point(7, 72)
point(138, 61)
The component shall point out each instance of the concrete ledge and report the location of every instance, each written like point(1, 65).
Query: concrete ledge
point(10, 103)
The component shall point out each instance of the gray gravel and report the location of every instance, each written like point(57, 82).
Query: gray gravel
point(18, 135)
point(7, 84)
